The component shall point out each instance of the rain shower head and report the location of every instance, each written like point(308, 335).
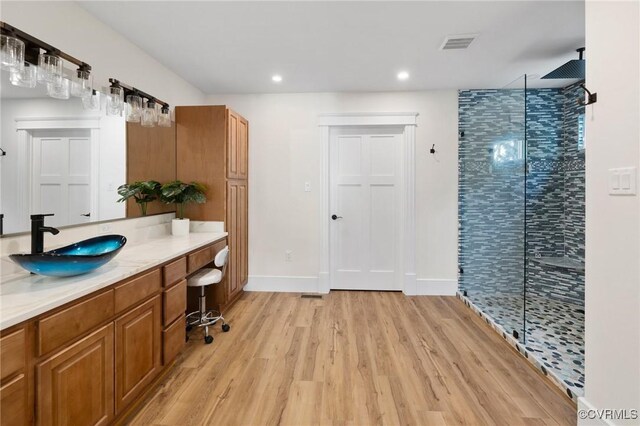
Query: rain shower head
point(575, 68)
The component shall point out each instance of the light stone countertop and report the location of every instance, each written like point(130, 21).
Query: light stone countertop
point(24, 296)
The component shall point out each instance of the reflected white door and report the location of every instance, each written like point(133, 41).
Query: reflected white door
point(364, 183)
point(62, 175)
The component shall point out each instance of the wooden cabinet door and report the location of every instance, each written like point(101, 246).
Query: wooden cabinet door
point(14, 405)
point(243, 148)
point(232, 229)
point(243, 234)
point(75, 385)
point(237, 226)
point(232, 146)
point(138, 336)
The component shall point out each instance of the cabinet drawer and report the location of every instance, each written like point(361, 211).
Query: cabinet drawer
point(175, 271)
point(173, 340)
point(66, 325)
point(136, 290)
point(200, 258)
point(13, 353)
point(175, 302)
point(14, 407)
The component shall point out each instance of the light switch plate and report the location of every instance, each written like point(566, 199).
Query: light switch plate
point(623, 181)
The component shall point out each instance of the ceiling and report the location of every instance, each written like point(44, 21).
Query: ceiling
point(236, 47)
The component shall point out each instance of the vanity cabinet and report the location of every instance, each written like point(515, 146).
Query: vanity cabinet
point(90, 362)
point(213, 148)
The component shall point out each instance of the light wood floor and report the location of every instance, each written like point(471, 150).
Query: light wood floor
point(355, 358)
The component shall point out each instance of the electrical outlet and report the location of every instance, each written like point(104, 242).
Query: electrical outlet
point(307, 187)
point(287, 255)
point(105, 228)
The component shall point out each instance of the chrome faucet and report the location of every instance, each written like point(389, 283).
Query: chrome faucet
point(37, 232)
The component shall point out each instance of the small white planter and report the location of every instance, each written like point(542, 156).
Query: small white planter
point(180, 227)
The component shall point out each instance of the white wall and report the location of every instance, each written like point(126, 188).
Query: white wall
point(14, 174)
point(67, 26)
point(284, 140)
point(612, 222)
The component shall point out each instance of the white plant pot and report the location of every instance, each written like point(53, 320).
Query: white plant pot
point(180, 227)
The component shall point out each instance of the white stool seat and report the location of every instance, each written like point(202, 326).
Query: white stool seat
point(204, 277)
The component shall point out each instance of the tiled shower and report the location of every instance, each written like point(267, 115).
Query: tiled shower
point(521, 220)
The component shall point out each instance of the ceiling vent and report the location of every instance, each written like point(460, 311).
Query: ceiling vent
point(457, 41)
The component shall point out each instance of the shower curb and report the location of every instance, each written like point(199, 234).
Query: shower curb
point(570, 391)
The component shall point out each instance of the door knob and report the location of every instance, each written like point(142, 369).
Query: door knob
point(335, 217)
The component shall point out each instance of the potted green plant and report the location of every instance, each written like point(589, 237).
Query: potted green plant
point(181, 194)
point(143, 192)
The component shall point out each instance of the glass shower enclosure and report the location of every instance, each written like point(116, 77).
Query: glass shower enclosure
point(521, 219)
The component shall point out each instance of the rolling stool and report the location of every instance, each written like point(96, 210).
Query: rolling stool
point(202, 278)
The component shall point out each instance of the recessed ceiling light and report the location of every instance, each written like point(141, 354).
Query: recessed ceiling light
point(276, 78)
point(403, 75)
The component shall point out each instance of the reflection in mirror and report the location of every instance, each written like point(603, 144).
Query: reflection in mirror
point(60, 158)
point(151, 155)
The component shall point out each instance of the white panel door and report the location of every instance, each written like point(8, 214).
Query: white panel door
point(364, 198)
point(62, 175)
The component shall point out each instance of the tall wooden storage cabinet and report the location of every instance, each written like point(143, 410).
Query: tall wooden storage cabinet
point(213, 148)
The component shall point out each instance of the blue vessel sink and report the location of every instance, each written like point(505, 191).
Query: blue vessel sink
point(75, 259)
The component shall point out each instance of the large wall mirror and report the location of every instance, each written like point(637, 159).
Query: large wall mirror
point(60, 158)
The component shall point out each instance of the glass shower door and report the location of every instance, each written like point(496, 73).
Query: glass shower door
point(492, 192)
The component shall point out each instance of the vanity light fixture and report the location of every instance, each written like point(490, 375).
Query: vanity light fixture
point(12, 55)
point(277, 78)
point(141, 107)
point(134, 108)
point(22, 54)
point(115, 99)
point(403, 75)
point(81, 86)
point(92, 103)
point(149, 117)
point(25, 77)
point(164, 118)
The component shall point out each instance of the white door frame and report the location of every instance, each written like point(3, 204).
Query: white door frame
point(408, 121)
point(24, 128)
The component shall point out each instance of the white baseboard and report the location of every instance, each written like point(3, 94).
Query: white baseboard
point(305, 284)
point(433, 287)
point(283, 284)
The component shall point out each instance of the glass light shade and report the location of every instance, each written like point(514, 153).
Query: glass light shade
point(27, 76)
point(81, 84)
point(59, 89)
point(134, 108)
point(164, 118)
point(12, 55)
point(92, 103)
point(149, 116)
point(115, 100)
point(49, 68)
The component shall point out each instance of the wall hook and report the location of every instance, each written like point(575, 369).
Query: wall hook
point(2, 152)
point(433, 149)
point(592, 98)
